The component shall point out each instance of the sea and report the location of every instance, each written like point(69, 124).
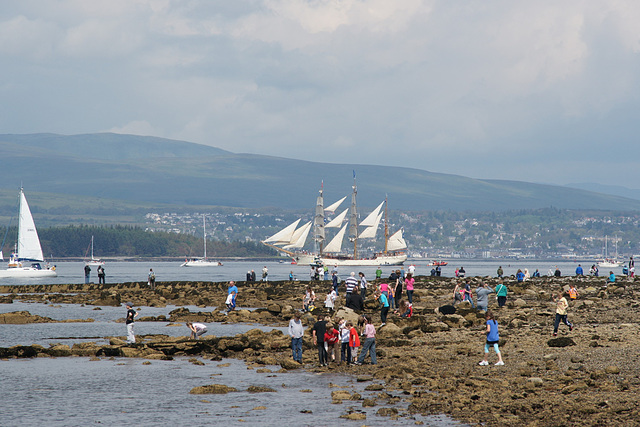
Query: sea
point(79, 391)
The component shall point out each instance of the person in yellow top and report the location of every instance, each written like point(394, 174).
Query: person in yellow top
point(561, 312)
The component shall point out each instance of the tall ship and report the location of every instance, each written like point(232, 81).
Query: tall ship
point(26, 259)
point(292, 238)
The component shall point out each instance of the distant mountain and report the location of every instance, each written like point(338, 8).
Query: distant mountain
point(157, 171)
point(614, 190)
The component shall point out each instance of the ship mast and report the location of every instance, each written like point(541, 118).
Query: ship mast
point(318, 223)
point(386, 226)
point(353, 219)
point(204, 236)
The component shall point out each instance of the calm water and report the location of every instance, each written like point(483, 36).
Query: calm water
point(118, 272)
point(80, 392)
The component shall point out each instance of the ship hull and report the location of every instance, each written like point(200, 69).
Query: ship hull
point(379, 260)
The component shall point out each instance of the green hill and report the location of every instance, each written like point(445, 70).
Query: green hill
point(147, 171)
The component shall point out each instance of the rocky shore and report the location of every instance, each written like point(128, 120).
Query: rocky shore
point(589, 376)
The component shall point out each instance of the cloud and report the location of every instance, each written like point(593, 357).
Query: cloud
point(529, 91)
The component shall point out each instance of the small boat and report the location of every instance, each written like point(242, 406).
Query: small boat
point(437, 263)
point(27, 248)
point(201, 262)
point(93, 262)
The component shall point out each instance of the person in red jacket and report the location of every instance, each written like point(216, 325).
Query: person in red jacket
point(354, 342)
point(332, 342)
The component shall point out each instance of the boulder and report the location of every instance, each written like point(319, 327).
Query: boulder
point(212, 389)
point(348, 314)
point(436, 327)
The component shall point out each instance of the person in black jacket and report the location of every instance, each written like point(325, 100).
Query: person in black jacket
point(355, 302)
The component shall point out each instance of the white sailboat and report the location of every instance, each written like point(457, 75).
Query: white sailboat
point(27, 249)
point(607, 262)
point(292, 237)
point(93, 262)
point(201, 262)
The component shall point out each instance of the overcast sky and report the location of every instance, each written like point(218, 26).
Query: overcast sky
point(544, 91)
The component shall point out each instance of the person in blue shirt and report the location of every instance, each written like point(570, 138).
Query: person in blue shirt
point(612, 277)
point(520, 276)
point(579, 271)
point(493, 338)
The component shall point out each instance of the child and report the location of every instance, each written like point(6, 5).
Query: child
point(231, 301)
point(492, 339)
point(369, 343)
point(354, 342)
point(345, 349)
point(331, 341)
point(561, 313)
point(330, 301)
point(308, 299)
point(197, 329)
point(573, 292)
point(468, 294)
point(384, 308)
point(405, 310)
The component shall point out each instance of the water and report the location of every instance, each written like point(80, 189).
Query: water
point(119, 272)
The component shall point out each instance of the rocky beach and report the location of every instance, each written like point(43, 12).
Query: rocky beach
point(588, 376)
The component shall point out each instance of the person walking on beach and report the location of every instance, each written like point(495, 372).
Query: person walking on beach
point(230, 302)
point(197, 329)
point(468, 294)
point(501, 293)
point(296, 331)
point(492, 340)
point(482, 295)
point(561, 313)
point(369, 345)
point(152, 279)
point(318, 331)
point(130, 319)
point(87, 274)
point(101, 275)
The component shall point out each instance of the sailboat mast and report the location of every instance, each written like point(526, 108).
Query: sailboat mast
point(353, 219)
point(91, 248)
point(386, 226)
point(318, 223)
point(204, 236)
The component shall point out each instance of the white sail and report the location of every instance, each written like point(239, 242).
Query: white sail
point(331, 209)
point(396, 241)
point(335, 245)
point(337, 221)
point(28, 241)
point(372, 217)
point(299, 237)
point(284, 236)
point(370, 232)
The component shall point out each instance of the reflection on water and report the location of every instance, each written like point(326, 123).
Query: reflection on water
point(80, 392)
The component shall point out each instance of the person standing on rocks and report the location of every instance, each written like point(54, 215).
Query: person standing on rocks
point(309, 299)
point(363, 285)
point(248, 276)
point(409, 282)
point(296, 331)
point(501, 293)
point(557, 273)
point(253, 275)
point(356, 302)
point(318, 331)
point(354, 341)
point(87, 274)
point(232, 288)
point(561, 313)
point(579, 271)
point(101, 275)
point(334, 281)
point(482, 293)
point(384, 308)
point(230, 302)
point(265, 274)
point(378, 273)
point(332, 342)
point(197, 329)
point(369, 345)
point(330, 301)
point(500, 272)
point(152, 279)
point(130, 319)
point(492, 339)
point(351, 283)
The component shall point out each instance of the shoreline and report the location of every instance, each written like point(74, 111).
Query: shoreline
point(585, 377)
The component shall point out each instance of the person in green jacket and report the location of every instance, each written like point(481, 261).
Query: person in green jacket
point(501, 293)
point(378, 273)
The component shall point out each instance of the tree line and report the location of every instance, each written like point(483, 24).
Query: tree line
point(124, 240)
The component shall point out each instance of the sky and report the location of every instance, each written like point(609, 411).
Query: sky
point(545, 91)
